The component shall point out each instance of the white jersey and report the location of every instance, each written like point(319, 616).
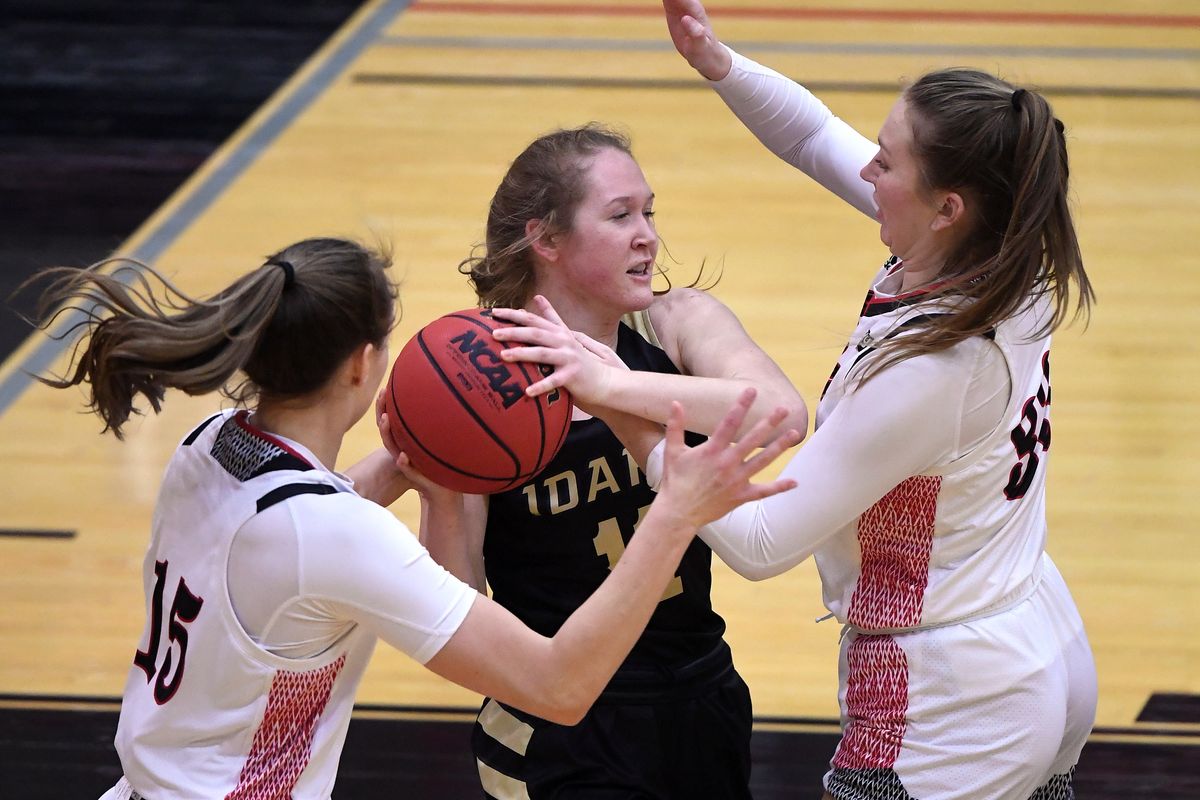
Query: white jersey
point(208, 712)
point(927, 530)
point(965, 671)
point(965, 535)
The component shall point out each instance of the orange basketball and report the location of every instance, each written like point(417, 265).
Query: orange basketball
point(461, 413)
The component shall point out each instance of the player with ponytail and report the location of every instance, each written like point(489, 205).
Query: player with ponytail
point(965, 669)
point(270, 576)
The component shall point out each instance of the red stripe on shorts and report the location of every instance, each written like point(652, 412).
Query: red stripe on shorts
point(876, 704)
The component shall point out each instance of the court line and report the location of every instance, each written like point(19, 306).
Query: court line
point(224, 167)
point(30, 533)
point(824, 48)
point(1178, 734)
point(923, 16)
point(868, 87)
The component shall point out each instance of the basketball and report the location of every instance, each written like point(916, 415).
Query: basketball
point(461, 414)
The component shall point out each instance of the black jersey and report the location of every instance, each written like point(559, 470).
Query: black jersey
point(551, 542)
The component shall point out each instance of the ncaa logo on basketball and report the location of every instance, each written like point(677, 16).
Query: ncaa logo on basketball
point(488, 364)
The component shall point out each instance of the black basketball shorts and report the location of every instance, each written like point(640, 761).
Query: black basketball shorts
point(675, 748)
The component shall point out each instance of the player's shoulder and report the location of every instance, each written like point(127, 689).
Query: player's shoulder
point(325, 510)
point(687, 314)
point(683, 300)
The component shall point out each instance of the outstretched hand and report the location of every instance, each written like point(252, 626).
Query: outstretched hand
point(693, 37)
point(581, 364)
point(704, 483)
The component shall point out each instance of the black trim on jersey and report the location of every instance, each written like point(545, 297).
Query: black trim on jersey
point(245, 452)
point(191, 437)
point(908, 323)
point(278, 495)
point(989, 334)
point(876, 308)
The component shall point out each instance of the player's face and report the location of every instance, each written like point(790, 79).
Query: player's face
point(906, 207)
point(608, 255)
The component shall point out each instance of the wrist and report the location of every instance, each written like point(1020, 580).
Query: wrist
point(674, 523)
point(716, 64)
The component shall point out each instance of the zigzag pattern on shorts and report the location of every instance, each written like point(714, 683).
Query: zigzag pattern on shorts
point(1059, 787)
point(866, 784)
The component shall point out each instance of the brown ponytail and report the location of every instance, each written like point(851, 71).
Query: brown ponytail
point(287, 328)
point(1005, 152)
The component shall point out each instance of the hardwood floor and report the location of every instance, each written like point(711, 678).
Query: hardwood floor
point(203, 145)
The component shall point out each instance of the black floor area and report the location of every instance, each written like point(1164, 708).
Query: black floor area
point(105, 108)
point(48, 754)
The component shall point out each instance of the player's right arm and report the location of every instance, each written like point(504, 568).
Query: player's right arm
point(452, 523)
point(559, 677)
point(452, 530)
point(791, 122)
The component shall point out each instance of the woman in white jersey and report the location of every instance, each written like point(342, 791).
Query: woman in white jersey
point(965, 669)
point(269, 576)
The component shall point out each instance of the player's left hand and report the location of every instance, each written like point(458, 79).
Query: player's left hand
point(582, 365)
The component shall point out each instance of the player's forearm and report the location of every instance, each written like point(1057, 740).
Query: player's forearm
point(796, 126)
point(377, 479)
point(639, 435)
point(589, 647)
point(649, 395)
point(446, 534)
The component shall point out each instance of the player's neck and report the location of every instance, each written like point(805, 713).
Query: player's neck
point(309, 425)
point(581, 316)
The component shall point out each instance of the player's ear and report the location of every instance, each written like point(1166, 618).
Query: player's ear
point(359, 363)
point(544, 243)
point(950, 210)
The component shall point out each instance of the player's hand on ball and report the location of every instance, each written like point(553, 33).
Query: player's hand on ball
point(581, 364)
point(428, 489)
point(706, 482)
point(385, 425)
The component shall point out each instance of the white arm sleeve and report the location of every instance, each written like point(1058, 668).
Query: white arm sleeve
point(305, 571)
point(912, 417)
point(800, 129)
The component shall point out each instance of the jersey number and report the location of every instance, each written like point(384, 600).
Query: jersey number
point(1031, 437)
point(184, 608)
point(609, 543)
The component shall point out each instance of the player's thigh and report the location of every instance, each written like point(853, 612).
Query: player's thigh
point(707, 742)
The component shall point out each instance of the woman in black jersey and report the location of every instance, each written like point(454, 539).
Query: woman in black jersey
point(570, 234)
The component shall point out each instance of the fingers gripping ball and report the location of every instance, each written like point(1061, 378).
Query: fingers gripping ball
point(461, 413)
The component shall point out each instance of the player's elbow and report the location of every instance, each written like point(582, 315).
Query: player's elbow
point(567, 703)
point(797, 419)
point(796, 412)
point(755, 572)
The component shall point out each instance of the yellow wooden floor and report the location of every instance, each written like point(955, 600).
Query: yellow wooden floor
point(400, 129)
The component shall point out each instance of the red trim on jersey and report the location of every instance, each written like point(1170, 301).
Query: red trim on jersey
point(901, 299)
point(895, 537)
point(283, 742)
point(242, 418)
point(876, 704)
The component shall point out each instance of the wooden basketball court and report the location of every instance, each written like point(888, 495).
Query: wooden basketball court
point(399, 130)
